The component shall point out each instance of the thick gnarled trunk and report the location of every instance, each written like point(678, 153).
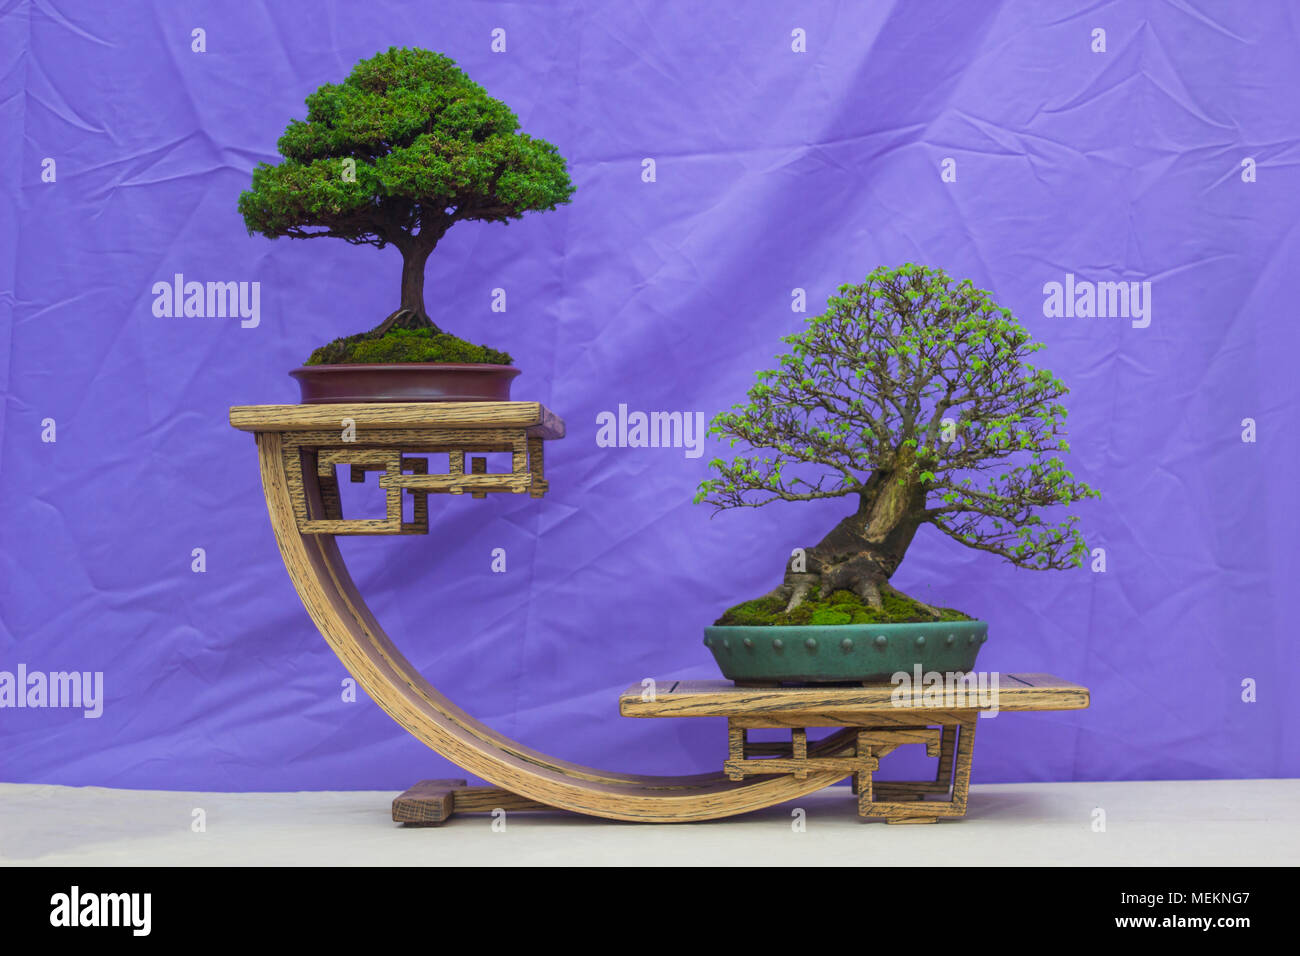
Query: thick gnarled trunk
point(863, 551)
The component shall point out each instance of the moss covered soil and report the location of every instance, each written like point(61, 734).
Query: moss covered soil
point(406, 345)
point(840, 607)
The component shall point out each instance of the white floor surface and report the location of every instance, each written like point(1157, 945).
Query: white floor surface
point(1221, 822)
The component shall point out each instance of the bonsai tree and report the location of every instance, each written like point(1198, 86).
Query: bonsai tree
point(399, 152)
point(913, 397)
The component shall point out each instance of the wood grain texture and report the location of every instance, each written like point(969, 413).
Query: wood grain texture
point(539, 420)
point(480, 482)
point(428, 803)
point(913, 789)
point(446, 438)
point(852, 718)
point(433, 802)
point(894, 737)
point(720, 698)
point(312, 457)
point(330, 597)
point(905, 801)
point(488, 799)
point(798, 767)
point(537, 466)
point(894, 801)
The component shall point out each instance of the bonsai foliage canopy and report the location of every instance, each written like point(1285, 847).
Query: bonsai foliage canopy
point(913, 396)
point(396, 154)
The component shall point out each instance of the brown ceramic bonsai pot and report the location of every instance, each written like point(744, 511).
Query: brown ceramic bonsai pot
point(404, 382)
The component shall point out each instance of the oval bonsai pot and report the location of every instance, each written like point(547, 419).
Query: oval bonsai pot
point(404, 382)
point(844, 652)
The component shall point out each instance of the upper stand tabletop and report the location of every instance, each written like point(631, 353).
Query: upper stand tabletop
point(536, 418)
point(721, 698)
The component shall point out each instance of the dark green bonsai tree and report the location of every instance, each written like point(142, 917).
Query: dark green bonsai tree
point(913, 397)
point(396, 154)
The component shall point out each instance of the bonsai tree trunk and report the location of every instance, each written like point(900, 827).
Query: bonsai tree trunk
point(862, 552)
point(411, 313)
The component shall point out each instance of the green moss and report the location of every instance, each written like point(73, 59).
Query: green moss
point(832, 615)
point(406, 345)
point(842, 607)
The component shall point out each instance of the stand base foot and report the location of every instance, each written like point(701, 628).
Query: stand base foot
point(430, 803)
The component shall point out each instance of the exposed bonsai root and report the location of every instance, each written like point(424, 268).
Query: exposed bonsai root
point(405, 319)
point(846, 585)
point(872, 593)
point(932, 611)
point(798, 591)
point(869, 591)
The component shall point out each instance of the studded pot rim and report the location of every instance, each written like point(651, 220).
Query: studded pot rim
point(820, 653)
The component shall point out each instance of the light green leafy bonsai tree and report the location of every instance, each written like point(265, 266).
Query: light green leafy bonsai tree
point(399, 152)
point(912, 396)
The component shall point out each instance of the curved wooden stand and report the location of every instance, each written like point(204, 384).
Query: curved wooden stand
point(331, 598)
point(298, 448)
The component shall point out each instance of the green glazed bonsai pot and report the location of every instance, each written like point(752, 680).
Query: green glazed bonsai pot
point(844, 652)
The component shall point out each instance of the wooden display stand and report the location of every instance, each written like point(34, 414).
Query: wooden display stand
point(876, 725)
point(300, 448)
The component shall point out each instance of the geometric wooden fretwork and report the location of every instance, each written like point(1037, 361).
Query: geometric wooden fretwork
point(900, 801)
point(403, 462)
point(897, 801)
point(396, 441)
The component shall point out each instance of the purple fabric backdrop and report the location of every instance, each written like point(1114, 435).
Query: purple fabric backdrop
point(776, 170)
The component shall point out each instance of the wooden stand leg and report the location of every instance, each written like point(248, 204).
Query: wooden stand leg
point(428, 804)
point(942, 782)
point(736, 739)
point(903, 803)
point(799, 749)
